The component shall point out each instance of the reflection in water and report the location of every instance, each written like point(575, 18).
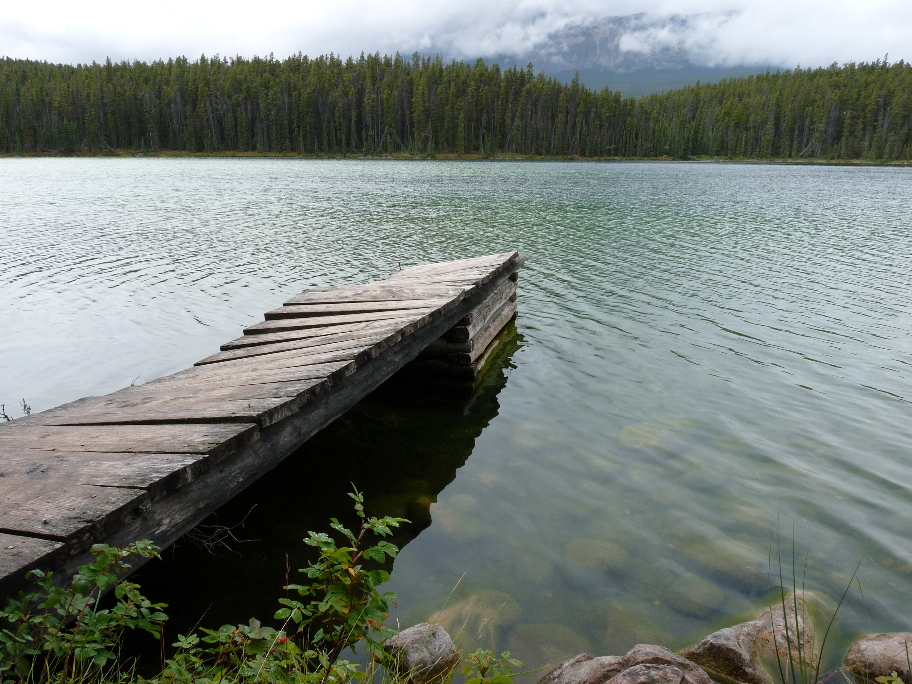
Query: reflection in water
point(400, 446)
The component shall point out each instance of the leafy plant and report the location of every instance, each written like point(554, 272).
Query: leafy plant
point(343, 606)
point(483, 667)
point(56, 635)
point(63, 628)
point(892, 678)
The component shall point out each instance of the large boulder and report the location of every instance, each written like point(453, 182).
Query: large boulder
point(880, 656)
point(785, 631)
point(585, 669)
point(423, 654)
point(647, 654)
point(643, 664)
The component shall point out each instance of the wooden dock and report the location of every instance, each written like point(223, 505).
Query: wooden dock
point(151, 461)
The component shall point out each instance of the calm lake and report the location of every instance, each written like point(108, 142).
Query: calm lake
point(711, 362)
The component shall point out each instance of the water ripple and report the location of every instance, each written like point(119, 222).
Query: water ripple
point(713, 352)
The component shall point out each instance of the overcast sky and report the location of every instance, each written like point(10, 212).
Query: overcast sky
point(730, 32)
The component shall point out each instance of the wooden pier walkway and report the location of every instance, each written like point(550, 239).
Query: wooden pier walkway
point(151, 461)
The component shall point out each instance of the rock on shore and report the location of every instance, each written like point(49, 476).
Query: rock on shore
point(880, 656)
point(643, 664)
point(424, 654)
point(736, 651)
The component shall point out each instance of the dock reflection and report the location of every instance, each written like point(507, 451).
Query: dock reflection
point(400, 446)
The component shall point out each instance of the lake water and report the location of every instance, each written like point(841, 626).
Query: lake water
point(710, 361)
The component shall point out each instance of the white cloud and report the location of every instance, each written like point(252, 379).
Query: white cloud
point(727, 32)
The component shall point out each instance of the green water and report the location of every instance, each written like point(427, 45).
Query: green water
point(707, 357)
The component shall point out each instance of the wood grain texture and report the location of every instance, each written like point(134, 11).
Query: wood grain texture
point(215, 441)
point(299, 323)
point(347, 308)
point(262, 404)
point(480, 314)
point(77, 515)
point(20, 554)
point(230, 375)
point(466, 333)
point(318, 345)
point(482, 331)
point(380, 291)
point(23, 469)
point(492, 327)
point(365, 328)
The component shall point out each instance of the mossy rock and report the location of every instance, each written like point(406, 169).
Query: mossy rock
point(626, 626)
point(479, 618)
point(643, 435)
point(546, 644)
point(656, 432)
point(610, 528)
point(458, 516)
point(532, 567)
point(695, 596)
point(535, 435)
point(596, 554)
point(744, 563)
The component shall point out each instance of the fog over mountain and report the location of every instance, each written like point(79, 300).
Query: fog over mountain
point(616, 43)
point(637, 54)
point(617, 39)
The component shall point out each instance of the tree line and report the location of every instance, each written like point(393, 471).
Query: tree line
point(377, 104)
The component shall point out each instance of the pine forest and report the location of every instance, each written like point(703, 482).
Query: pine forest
point(378, 105)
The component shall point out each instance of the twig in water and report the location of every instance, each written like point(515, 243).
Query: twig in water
point(211, 537)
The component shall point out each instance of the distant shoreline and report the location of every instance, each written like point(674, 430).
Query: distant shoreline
point(179, 154)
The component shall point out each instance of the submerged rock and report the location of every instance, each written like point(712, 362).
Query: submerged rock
point(625, 623)
point(479, 617)
point(424, 654)
point(880, 656)
point(736, 652)
point(643, 664)
point(596, 554)
point(545, 643)
point(693, 595)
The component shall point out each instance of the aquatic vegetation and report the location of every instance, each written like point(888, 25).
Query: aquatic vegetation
point(546, 643)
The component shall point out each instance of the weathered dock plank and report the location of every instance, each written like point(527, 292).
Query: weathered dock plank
point(20, 553)
point(151, 461)
point(381, 291)
point(282, 324)
point(308, 310)
point(215, 441)
point(367, 328)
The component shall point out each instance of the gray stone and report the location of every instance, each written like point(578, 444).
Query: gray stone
point(643, 664)
point(584, 669)
point(647, 654)
point(736, 652)
point(424, 654)
point(649, 674)
point(880, 656)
